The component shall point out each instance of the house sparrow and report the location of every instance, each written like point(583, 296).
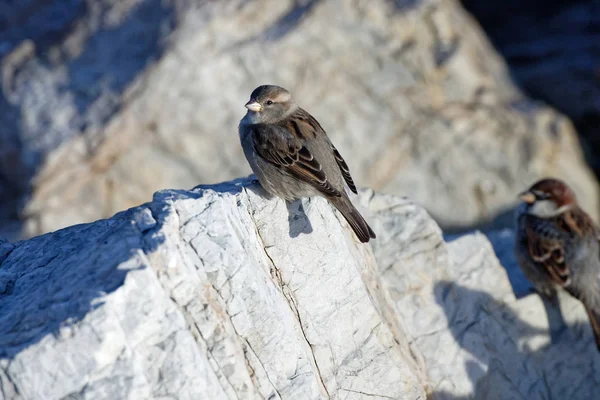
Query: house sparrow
point(557, 245)
point(292, 157)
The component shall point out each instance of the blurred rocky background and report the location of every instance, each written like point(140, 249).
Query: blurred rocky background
point(104, 102)
point(553, 50)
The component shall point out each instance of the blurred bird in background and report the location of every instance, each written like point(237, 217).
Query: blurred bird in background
point(557, 246)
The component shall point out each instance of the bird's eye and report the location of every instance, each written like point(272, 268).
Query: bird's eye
point(269, 102)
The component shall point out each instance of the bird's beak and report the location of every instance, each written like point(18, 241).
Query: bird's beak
point(253, 105)
point(527, 197)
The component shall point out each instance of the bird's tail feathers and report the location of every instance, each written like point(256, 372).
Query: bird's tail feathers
point(360, 227)
point(595, 322)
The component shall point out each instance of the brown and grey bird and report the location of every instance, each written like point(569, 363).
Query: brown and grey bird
point(292, 157)
point(558, 246)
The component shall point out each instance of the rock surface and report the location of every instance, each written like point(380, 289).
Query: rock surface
point(219, 293)
point(482, 334)
point(411, 92)
point(208, 294)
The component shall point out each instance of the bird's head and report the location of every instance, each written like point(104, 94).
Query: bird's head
point(548, 198)
point(269, 104)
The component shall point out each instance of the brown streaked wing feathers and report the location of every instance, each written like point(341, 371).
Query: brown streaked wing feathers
point(548, 251)
point(278, 146)
point(345, 170)
point(307, 126)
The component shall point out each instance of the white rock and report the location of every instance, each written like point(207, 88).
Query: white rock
point(218, 293)
point(202, 295)
point(482, 336)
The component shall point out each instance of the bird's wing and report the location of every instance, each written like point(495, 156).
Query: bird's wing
point(547, 251)
point(546, 241)
point(307, 126)
point(277, 145)
point(344, 168)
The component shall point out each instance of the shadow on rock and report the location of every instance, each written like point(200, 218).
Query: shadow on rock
point(297, 219)
point(54, 280)
point(506, 359)
point(85, 80)
point(503, 244)
point(503, 220)
point(502, 241)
